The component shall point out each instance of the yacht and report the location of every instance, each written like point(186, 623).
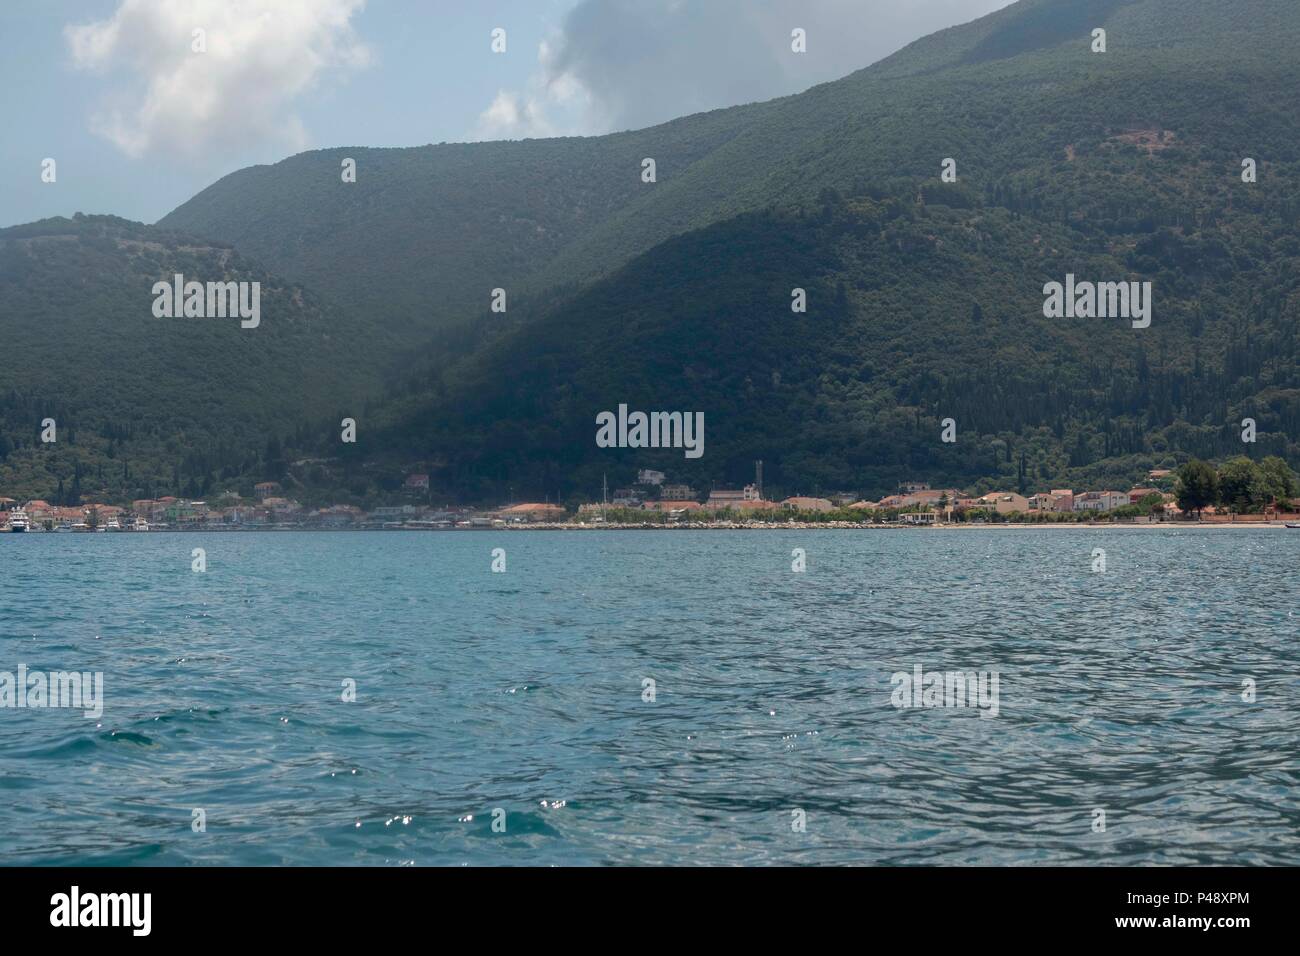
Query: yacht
point(140, 525)
point(113, 525)
point(18, 520)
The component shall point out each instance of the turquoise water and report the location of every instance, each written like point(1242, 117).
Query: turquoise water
point(1119, 691)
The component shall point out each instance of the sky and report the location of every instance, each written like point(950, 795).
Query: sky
point(139, 111)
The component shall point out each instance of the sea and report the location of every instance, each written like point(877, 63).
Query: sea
point(621, 697)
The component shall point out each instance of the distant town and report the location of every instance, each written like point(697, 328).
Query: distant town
point(651, 501)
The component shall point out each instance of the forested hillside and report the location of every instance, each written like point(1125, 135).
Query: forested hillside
point(145, 405)
point(925, 297)
point(918, 311)
point(424, 235)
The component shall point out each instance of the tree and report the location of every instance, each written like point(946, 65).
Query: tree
point(1241, 485)
point(1279, 480)
point(1198, 486)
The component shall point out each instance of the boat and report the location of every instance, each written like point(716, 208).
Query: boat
point(1293, 524)
point(18, 520)
point(140, 525)
point(112, 525)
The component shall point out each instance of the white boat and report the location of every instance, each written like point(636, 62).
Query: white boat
point(140, 525)
point(18, 520)
point(112, 525)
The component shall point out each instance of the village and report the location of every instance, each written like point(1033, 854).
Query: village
point(652, 501)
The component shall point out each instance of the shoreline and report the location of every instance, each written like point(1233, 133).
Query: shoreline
point(735, 526)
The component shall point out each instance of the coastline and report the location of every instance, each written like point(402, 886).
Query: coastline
point(748, 526)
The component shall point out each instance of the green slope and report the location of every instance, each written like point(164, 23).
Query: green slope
point(145, 404)
point(425, 234)
point(918, 312)
point(1119, 166)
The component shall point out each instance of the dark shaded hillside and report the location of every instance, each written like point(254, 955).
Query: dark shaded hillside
point(925, 297)
point(153, 404)
point(919, 311)
point(928, 296)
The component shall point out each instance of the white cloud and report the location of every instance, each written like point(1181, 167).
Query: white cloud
point(621, 64)
point(554, 103)
point(261, 55)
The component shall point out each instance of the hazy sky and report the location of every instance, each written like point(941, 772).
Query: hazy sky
point(138, 121)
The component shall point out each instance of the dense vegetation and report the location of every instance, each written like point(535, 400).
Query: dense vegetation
point(917, 312)
point(144, 405)
point(924, 298)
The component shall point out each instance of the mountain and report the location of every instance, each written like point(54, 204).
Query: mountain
point(149, 405)
point(926, 298)
point(918, 312)
point(423, 235)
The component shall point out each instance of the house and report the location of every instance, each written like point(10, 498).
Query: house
point(1100, 501)
point(729, 497)
point(338, 516)
point(1043, 501)
point(1137, 494)
point(647, 476)
point(281, 506)
point(264, 489)
point(416, 482)
point(865, 505)
point(931, 496)
point(532, 511)
point(1004, 502)
point(756, 504)
point(678, 492)
point(800, 503)
point(1064, 499)
point(665, 505)
point(912, 487)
